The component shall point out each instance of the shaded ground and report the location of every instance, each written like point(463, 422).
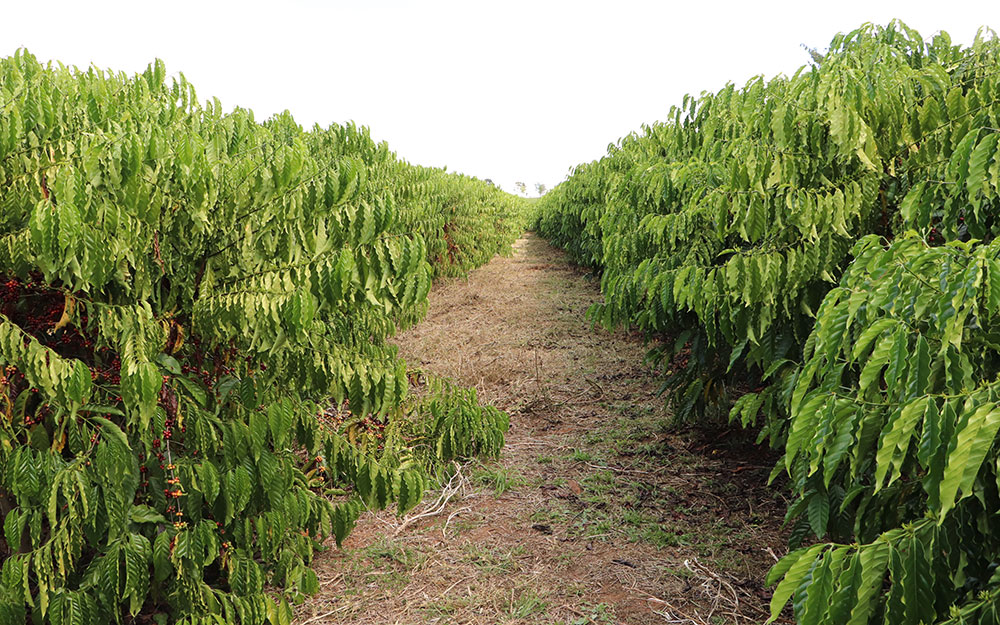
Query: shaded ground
point(596, 511)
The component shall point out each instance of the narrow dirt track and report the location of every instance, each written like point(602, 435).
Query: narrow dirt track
point(596, 512)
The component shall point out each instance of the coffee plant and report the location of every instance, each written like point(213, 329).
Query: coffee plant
point(196, 387)
point(818, 252)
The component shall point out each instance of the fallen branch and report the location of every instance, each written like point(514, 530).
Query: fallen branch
point(716, 589)
point(455, 484)
point(444, 529)
point(319, 616)
point(720, 593)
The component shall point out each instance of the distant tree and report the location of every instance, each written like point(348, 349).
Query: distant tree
point(489, 182)
point(523, 188)
point(541, 188)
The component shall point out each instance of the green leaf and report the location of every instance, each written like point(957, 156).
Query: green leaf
point(344, 517)
point(146, 514)
point(194, 390)
point(410, 490)
point(137, 552)
point(917, 582)
point(79, 385)
point(280, 419)
point(878, 359)
point(111, 429)
point(896, 439)
point(271, 479)
point(208, 479)
point(983, 153)
point(169, 363)
point(870, 334)
point(966, 455)
point(819, 513)
point(162, 566)
point(919, 371)
point(259, 428)
point(790, 569)
point(909, 208)
point(874, 560)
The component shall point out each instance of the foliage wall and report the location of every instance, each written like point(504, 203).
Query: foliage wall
point(819, 252)
point(194, 308)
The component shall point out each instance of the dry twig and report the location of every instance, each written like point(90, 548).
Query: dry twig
point(457, 483)
point(444, 530)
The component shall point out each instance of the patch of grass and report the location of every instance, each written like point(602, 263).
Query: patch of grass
point(600, 613)
point(600, 483)
point(386, 550)
point(660, 536)
point(578, 455)
point(550, 514)
point(600, 529)
point(595, 437)
point(490, 560)
point(529, 602)
point(444, 607)
point(386, 563)
point(651, 449)
point(543, 459)
point(634, 517)
point(499, 479)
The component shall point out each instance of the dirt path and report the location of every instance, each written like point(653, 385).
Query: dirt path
point(596, 512)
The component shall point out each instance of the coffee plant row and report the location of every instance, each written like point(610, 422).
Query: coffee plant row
point(820, 253)
point(196, 387)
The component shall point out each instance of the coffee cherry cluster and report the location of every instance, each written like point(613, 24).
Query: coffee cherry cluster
point(209, 367)
point(37, 308)
point(12, 382)
point(337, 416)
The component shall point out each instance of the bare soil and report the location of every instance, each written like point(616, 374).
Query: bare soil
point(599, 510)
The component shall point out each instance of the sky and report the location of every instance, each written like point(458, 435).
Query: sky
point(509, 91)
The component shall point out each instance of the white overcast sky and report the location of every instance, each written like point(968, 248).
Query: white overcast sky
point(510, 90)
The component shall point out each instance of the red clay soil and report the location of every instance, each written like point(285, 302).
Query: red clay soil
point(597, 511)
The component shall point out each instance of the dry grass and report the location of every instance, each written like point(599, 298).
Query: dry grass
point(596, 512)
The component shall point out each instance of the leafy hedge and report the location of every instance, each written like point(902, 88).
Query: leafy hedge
point(182, 292)
point(821, 252)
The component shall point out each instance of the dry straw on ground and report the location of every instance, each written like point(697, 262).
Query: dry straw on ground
point(595, 512)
